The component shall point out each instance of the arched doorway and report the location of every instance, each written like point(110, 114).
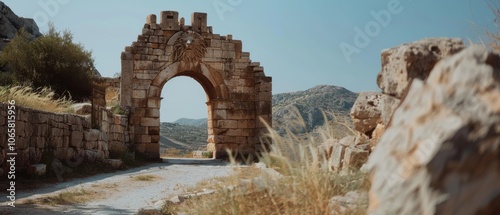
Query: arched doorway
point(183, 117)
point(239, 94)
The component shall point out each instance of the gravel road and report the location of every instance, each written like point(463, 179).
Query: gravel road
point(121, 193)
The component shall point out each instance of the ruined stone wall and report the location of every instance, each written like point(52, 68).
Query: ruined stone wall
point(239, 93)
point(42, 137)
point(111, 87)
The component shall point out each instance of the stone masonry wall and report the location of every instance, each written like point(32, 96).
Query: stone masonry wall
point(42, 137)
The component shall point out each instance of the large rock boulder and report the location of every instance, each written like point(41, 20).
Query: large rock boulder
point(372, 110)
point(365, 112)
point(402, 64)
point(441, 153)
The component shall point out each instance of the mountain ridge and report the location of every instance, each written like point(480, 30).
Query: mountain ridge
point(309, 106)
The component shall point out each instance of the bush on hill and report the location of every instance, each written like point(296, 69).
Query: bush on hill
point(53, 61)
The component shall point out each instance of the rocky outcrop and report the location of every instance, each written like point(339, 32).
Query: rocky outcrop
point(10, 23)
point(402, 64)
point(441, 152)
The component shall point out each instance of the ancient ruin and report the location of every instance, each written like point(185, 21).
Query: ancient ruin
point(238, 92)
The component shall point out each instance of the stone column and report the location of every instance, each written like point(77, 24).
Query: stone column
point(126, 79)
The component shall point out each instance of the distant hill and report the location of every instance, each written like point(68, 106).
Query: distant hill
point(308, 107)
point(183, 137)
point(192, 122)
point(189, 134)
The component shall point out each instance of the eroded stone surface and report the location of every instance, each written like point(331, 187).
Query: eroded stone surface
point(440, 153)
point(402, 64)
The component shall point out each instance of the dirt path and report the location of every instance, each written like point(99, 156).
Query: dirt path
point(126, 192)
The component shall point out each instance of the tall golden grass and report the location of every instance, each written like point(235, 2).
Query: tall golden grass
point(306, 187)
point(495, 36)
point(489, 38)
point(42, 99)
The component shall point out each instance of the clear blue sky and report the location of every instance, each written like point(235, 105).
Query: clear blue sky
point(297, 41)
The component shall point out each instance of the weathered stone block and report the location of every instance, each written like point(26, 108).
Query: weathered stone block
point(117, 129)
point(199, 22)
point(337, 156)
point(150, 121)
point(76, 139)
point(366, 112)
point(91, 135)
point(138, 94)
point(116, 148)
point(39, 142)
point(115, 163)
point(240, 114)
point(169, 20)
point(153, 103)
point(37, 169)
point(139, 102)
point(56, 142)
point(402, 64)
point(60, 153)
point(35, 154)
point(152, 112)
point(143, 138)
point(220, 114)
point(227, 124)
point(155, 130)
point(90, 144)
point(151, 19)
point(240, 132)
point(91, 155)
point(155, 138)
point(102, 145)
point(246, 124)
point(354, 158)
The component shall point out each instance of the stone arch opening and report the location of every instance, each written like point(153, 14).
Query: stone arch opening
point(176, 108)
point(204, 79)
point(239, 93)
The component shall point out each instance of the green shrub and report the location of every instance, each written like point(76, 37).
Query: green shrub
point(53, 61)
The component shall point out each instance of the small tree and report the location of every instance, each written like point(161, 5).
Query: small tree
point(52, 60)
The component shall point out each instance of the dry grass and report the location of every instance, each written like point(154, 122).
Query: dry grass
point(41, 99)
point(65, 198)
point(106, 186)
point(489, 38)
point(495, 36)
point(145, 178)
point(307, 187)
point(241, 173)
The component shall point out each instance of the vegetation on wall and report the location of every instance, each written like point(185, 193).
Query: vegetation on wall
point(41, 99)
point(52, 60)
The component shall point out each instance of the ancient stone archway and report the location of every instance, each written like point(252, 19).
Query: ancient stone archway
point(239, 93)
